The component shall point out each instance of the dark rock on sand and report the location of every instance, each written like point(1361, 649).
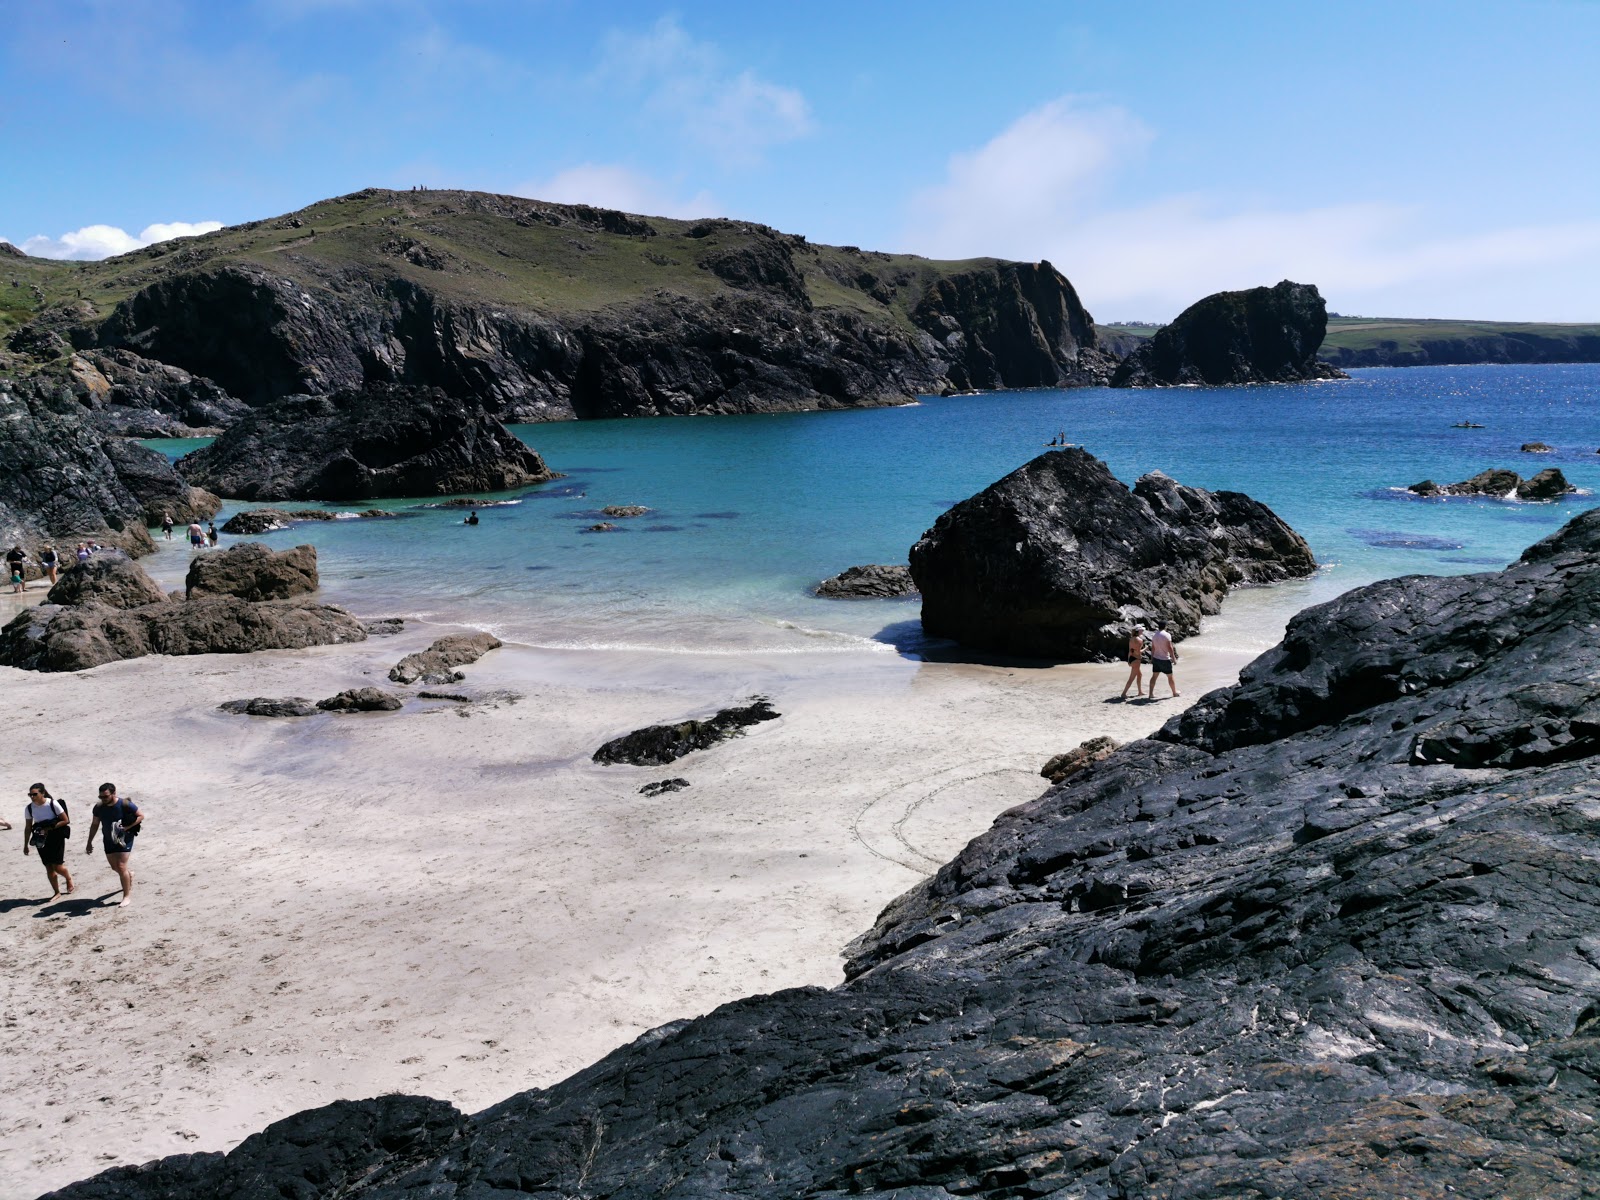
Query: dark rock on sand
point(1537, 448)
point(657, 745)
point(107, 580)
point(252, 571)
point(375, 440)
point(1502, 484)
point(1073, 761)
point(871, 581)
point(1060, 559)
point(1330, 933)
point(264, 706)
point(437, 663)
point(364, 699)
point(624, 510)
point(150, 476)
point(1263, 335)
point(662, 786)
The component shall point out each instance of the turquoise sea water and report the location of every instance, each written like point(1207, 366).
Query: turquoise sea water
point(749, 512)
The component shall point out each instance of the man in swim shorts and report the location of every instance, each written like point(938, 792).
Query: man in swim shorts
point(119, 822)
point(1162, 655)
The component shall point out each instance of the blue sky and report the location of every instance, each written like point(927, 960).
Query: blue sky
point(1411, 158)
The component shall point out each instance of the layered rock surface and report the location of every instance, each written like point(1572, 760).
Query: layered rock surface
point(1262, 335)
point(1329, 933)
point(869, 581)
point(1060, 559)
point(379, 440)
point(150, 477)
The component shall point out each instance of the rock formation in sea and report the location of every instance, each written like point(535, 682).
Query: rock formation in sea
point(657, 745)
point(1537, 448)
point(1262, 335)
point(1060, 558)
point(869, 581)
point(377, 440)
point(1329, 933)
point(150, 477)
point(110, 609)
point(1501, 483)
point(438, 663)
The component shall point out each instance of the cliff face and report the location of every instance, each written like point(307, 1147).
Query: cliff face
point(1329, 933)
point(1263, 335)
point(549, 312)
point(1431, 350)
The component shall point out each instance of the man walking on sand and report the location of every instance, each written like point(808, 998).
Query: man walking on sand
point(119, 822)
point(1162, 655)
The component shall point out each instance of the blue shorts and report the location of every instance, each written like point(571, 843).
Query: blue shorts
point(1161, 666)
point(105, 843)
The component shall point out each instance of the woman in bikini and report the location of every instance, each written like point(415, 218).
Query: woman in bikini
point(1135, 663)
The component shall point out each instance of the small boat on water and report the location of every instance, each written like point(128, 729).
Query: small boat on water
point(1466, 425)
point(1059, 442)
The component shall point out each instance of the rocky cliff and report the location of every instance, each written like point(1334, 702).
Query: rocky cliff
point(1355, 342)
point(1263, 335)
point(546, 311)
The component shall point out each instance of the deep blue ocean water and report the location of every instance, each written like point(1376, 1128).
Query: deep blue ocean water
point(749, 512)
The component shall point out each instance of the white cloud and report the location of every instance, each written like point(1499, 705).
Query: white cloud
point(103, 241)
point(609, 186)
point(1037, 190)
point(684, 82)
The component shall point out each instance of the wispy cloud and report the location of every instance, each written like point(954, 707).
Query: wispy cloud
point(1038, 190)
point(103, 241)
point(686, 84)
point(607, 185)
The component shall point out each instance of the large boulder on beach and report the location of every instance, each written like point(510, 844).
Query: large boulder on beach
point(363, 699)
point(870, 581)
point(438, 663)
point(1261, 335)
point(376, 440)
point(156, 484)
point(252, 571)
point(657, 745)
point(109, 580)
point(1060, 559)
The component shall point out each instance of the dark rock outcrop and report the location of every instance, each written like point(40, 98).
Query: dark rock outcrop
point(254, 521)
point(1537, 448)
point(1501, 484)
point(132, 396)
point(1329, 933)
point(624, 510)
point(379, 440)
point(266, 706)
point(662, 786)
point(1060, 559)
point(1263, 335)
point(1086, 754)
point(657, 745)
point(107, 580)
point(870, 581)
point(437, 663)
point(364, 699)
point(252, 571)
point(153, 481)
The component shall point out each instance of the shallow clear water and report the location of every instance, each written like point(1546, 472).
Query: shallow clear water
point(749, 512)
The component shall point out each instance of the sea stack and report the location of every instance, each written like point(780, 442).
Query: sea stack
point(1060, 558)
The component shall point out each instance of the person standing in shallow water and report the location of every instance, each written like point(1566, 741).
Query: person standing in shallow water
point(166, 525)
point(1162, 655)
point(119, 822)
point(1135, 663)
point(211, 534)
point(46, 826)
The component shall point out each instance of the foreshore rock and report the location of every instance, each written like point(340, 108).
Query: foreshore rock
point(1537, 448)
point(657, 745)
point(1501, 484)
point(1263, 335)
point(107, 579)
point(252, 571)
point(1060, 559)
point(1329, 933)
point(364, 699)
point(870, 581)
point(624, 510)
point(266, 706)
point(1087, 753)
point(437, 663)
point(254, 521)
point(376, 440)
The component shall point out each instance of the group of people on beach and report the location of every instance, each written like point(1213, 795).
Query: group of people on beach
point(47, 826)
point(1162, 655)
point(199, 539)
point(49, 563)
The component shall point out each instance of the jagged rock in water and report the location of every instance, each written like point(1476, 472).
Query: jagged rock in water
point(254, 521)
point(385, 626)
point(437, 663)
point(624, 510)
point(662, 786)
point(1262, 335)
point(870, 581)
point(107, 580)
point(1537, 448)
point(1060, 559)
point(1329, 933)
point(1073, 761)
point(602, 527)
point(376, 440)
point(364, 699)
point(657, 745)
point(156, 485)
point(252, 571)
point(1502, 484)
point(265, 706)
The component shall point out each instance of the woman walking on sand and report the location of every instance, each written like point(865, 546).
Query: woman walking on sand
point(1135, 663)
point(119, 822)
point(46, 826)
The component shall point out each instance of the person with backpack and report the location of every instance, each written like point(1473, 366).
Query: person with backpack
point(119, 822)
point(46, 826)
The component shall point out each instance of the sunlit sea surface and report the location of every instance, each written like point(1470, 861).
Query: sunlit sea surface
point(749, 512)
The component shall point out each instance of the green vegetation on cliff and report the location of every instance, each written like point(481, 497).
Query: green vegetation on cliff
point(1400, 341)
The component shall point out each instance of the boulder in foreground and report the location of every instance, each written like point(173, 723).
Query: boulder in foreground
point(657, 745)
point(364, 699)
point(1289, 947)
point(1262, 335)
point(375, 440)
point(1060, 559)
point(252, 571)
point(269, 706)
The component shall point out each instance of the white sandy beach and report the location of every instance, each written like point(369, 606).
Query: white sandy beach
point(457, 901)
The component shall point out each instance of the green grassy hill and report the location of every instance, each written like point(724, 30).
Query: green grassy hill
point(1389, 341)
